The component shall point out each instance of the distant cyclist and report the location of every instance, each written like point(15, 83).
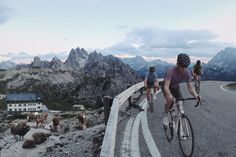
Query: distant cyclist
point(197, 71)
point(151, 82)
point(171, 88)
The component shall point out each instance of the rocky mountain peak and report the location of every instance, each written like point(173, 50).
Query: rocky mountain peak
point(37, 62)
point(224, 58)
point(77, 58)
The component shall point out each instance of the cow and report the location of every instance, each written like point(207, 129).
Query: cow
point(55, 123)
point(37, 138)
point(29, 143)
point(20, 129)
point(82, 120)
point(40, 137)
point(42, 120)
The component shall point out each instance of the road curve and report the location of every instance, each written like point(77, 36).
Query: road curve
point(214, 124)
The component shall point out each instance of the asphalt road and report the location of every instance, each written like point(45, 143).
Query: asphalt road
point(214, 125)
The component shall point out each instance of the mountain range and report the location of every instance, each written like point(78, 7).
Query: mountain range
point(82, 79)
point(85, 77)
point(221, 67)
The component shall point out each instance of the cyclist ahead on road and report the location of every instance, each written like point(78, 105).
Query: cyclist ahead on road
point(171, 88)
point(151, 82)
point(197, 71)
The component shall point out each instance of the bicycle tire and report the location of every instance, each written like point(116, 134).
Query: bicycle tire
point(169, 130)
point(188, 138)
point(151, 103)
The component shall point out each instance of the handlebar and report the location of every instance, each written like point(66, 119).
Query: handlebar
point(184, 99)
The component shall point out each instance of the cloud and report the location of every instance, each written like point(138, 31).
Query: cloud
point(161, 43)
point(5, 13)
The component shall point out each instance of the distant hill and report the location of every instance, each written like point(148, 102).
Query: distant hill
point(221, 67)
point(141, 66)
point(4, 65)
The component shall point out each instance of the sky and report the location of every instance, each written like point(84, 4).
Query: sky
point(154, 29)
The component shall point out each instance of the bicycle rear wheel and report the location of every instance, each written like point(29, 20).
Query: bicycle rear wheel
point(185, 136)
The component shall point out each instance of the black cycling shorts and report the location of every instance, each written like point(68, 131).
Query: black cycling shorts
point(175, 91)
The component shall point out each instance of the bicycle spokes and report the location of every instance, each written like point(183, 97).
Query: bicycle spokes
point(185, 136)
point(169, 132)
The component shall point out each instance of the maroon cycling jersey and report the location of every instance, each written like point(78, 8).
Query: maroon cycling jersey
point(175, 77)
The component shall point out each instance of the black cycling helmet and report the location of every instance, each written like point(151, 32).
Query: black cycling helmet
point(198, 62)
point(183, 60)
point(152, 69)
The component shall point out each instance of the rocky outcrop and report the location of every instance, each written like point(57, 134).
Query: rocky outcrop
point(222, 66)
point(77, 58)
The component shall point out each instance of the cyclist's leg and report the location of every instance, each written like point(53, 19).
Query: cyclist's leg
point(178, 95)
point(168, 106)
point(148, 94)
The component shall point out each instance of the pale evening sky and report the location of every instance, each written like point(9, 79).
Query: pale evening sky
point(150, 28)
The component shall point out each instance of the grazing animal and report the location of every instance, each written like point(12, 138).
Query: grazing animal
point(29, 143)
point(37, 138)
point(42, 120)
point(55, 123)
point(31, 117)
point(40, 137)
point(20, 129)
point(82, 120)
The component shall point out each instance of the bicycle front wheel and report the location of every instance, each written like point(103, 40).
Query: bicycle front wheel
point(185, 136)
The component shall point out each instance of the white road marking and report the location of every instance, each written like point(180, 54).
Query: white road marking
point(222, 87)
point(135, 151)
point(148, 136)
point(125, 149)
point(130, 145)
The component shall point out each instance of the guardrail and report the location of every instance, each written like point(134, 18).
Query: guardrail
point(108, 144)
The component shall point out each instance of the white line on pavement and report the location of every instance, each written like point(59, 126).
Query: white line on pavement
point(148, 136)
point(135, 151)
point(125, 149)
point(222, 87)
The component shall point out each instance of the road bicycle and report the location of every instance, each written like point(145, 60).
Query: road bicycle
point(151, 101)
point(181, 125)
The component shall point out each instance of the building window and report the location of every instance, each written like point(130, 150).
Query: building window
point(24, 104)
point(15, 109)
point(19, 105)
point(10, 105)
point(24, 109)
point(38, 107)
point(19, 109)
point(10, 109)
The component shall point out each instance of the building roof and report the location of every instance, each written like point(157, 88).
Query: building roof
point(76, 105)
point(23, 97)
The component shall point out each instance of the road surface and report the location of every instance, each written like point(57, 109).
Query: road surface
point(214, 125)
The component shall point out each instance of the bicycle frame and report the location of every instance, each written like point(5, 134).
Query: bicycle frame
point(181, 125)
point(180, 113)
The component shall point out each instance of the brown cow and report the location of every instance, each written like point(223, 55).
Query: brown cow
point(42, 120)
point(55, 123)
point(20, 129)
point(82, 120)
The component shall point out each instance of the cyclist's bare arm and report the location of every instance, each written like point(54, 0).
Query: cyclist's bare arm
point(145, 82)
point(191, 90)
point(168, 95)
point(157, 84)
